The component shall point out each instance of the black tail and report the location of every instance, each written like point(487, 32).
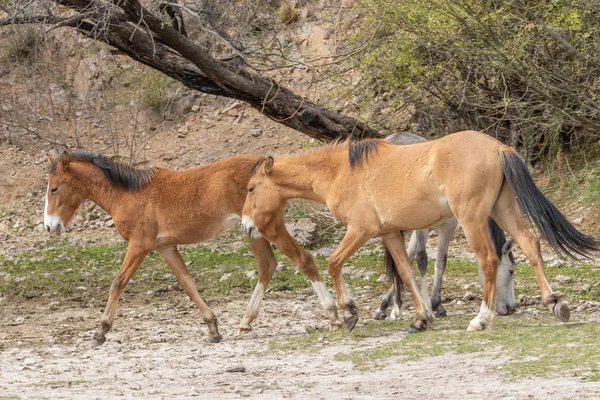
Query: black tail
point(391, 270)
point(554, 227)
point(498, 239)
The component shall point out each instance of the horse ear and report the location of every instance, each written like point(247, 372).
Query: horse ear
point(50, 158)
point(507, 246)
point(65, 159)
point(269, 164)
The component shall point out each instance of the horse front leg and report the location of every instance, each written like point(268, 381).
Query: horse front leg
point(445, 232)
point(395, 243)
point(266, 262)
point(136, 253)
point(281, 238)
point(175, 262)
point(351, 242)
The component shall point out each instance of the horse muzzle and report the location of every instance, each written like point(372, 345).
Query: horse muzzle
point(53, 224)
point(250, 229)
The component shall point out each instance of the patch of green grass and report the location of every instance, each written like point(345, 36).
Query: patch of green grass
point(313, 339)
point(531, 349)
point(62, 270)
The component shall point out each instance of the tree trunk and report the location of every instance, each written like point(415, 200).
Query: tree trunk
point(128, 26)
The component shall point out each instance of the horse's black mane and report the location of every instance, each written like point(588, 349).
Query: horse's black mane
point(117, 174)
point(360, 151)
point(256, 165)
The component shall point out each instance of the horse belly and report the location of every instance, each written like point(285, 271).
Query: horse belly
point(414, 215)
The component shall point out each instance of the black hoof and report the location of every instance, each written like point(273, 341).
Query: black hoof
point(379, 314)
point(98, 341)
point(561, 311)
point(440, 312)
point(418, 326)
point(351, 322)
point(215, 339)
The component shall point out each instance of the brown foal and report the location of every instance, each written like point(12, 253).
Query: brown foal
point(158, 209)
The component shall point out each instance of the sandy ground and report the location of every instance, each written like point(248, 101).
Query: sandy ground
point(158, 350)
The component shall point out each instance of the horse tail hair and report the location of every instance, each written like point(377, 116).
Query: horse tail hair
point(392, 271)
point(554, 227)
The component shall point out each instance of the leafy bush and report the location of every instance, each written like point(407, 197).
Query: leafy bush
point(523, 71)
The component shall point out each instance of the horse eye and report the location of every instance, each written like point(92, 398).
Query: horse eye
point(54, 189)
point(511, 271)
point(251, 190)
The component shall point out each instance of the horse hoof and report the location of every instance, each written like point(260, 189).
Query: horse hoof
point(215, 339)
point(419, 325)
point(243, 330)
point(440, 312)
point(379, 314)
point(561, 311)
point(334, 326)
point(351, 322)
point(98, 341)
point(475, 326)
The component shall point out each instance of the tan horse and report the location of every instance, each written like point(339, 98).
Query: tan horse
point(378, 188)
point(158, 209)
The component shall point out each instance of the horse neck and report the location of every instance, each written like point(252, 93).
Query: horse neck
point(95, 186)
point(306, 175)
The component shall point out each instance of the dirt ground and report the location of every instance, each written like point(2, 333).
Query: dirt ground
point(158, 350)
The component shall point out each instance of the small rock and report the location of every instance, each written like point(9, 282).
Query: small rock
point(460, 302)
point(382, 278)
point(251, 274)
point(303, 231)
point(256, 132)
point(281, 266)
point(19, 320)
point(110, 223)
point(563, 279)
point(195, 108)
point(29, 361)
point(577, 221)
point(225, 277)
point(237, 368)
point(325, 252)
point(469, 296)
point(584, 288)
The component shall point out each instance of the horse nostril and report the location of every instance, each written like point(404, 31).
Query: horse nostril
point(250, 229)
point(48, 228)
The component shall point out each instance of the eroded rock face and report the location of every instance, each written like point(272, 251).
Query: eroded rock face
point(304, 231)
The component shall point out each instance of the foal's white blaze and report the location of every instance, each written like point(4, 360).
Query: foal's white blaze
point(324, 296)
point(249, 227)
point(52, 223)
point(485, 319)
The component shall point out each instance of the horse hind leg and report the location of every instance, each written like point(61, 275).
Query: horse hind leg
point(386, 300)
point(134, 257)
point(421, 255)
point(507, 214)
point(175, 262)
point(445, 232)
point(267, 264)
point(476, 233)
